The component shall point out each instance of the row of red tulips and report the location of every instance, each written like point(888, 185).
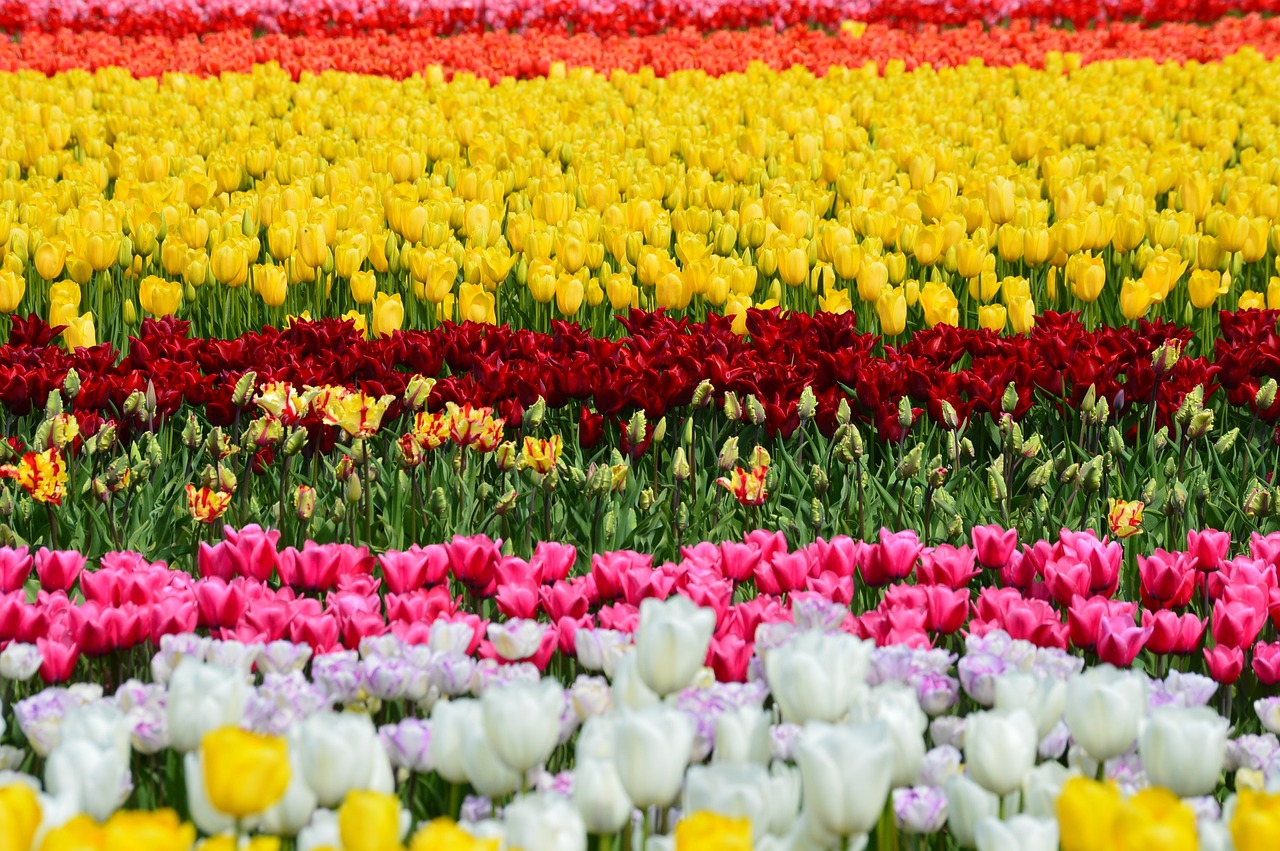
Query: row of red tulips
point(319, 18)
point(498, 54)
point(656, 368)
point(1068, 594)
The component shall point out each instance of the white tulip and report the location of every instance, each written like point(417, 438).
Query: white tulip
point(450, 720)
point(1042, 697)
point(19, 662)
point(1103, 708)
point(598, 737)
point(202, 698)
point(292, 812)
point(846, 773)
point(545, 822)
point(339, 752)
point(817, 677)
point(1019, 833)
point(1183, 749)
point(321, 832)
point(738, 790)
point(629, 690)
point(599, 796)
point(967, 804)
point(896, 705)
point(1000, 748)
point(783, 800)
point(653, 747)
point(486, 771)
point(95, 776)
point(671, 642)
point(1214, 835)
point(522, 721)
point(1040, 789)
point(101, 723)
point(742, 735)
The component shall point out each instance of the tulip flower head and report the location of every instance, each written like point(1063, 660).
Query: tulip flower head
point(358, 414)
point(474, 427)
point(206, 504)
point(43, 475)
point(19, 815)
point(369, 821)
point(747, 486)
point(1255, 824)
point(1125, 518)
point(705, 831)
point(244, 773)
point(443, 834)
point(541, 456)
point(431, 431)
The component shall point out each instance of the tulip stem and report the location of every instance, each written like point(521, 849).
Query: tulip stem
point(605, 843)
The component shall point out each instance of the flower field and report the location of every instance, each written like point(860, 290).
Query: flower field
point(635, 426)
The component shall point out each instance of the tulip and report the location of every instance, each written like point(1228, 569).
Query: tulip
point(546, 822)
point(289, 815)
point(704, 830)
point(159, 297)
point(1155, 818)
point(484, 768)
point(338, 753)
point(388, 314)
point(369, 821)
point(920, 809)
point(244, 773)
point(600, 797)
point(1103, 709)
point(1000, 748)
point(94, 776)
point(967, 805)
point(363, 287)
point(1183, 749)
point(1125, 518)
point(816, 676)
point(846, 774)
point(201, 699)
point(737, 791)
point(1255, 823)
point(19, 815)
point(522, 721)
point(671, 642)
point(1042, 697)
point(742, 736)
point(891, 309)
point(653, 746)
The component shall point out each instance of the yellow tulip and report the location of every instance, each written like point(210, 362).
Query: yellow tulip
point(704, 831)
point(369, 821)
point(160, 830)
point(622, 293)
point(847, 260)
point(835, 301)
point(1135, 300)
point(1089, 278)
point(1155, 818)
point(50, 258)
point(872, 278)
point(1255, 824)
point(1205, 286)
point(443, 834)
point(80, 332)
point(357, 319)
point(244, 773)
point(1000, 200)
point(940, 305)
point(476, 305)
point(19, 816)
point(12, 288)
point(1022, 314)
point(794, 267)
point(1087, 813)
point(313, 245)
point(569, 293)
point(363, 287)
point(992, 317)
point(81, 833)
point(158, 296)
point(347, 259)
point(388, 314)
point(102, 250)
point(1252, 300)
point(970, 256)
point(891, 308)
point(272, 284)
point(230, 264)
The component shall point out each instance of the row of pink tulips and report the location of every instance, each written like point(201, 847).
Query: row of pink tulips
point(1073, 593)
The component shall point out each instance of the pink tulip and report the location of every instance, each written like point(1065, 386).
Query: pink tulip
point(1225, 663)
point(1265, 547)
point(271, 618)
point(639, 583)
point(730, 657)
point(255, 549)
point(1167, 580)
point(319, 631)
point(947, 565)
point(1171, 633)
point(219, 603)
point(12, 605)
point(890, 560)
point(1120, 640)
point(783, 573)
point(947, 609)
point(607, 570)
point(704, 554)
point(564, 600)
point(567, 632)
point(737, 560)
point(768, 543)
point(317, 567)
point(1036, 621)
point(59, 660)
point(1266, 662)
point(552, 562)
point(102, 586)
point(172, 616)
point(1085, 616)
point(832, 586)
point(358, 626)
point(58, 569)
point(1236, 624)
point(840, 555)
point(1208, 547)
point(623, 617)
point(994, 545)
point(414, 568)
point(15, 567)
point(474, 561)
point(904, 596)
point(517, 599)
point(424, 605)
point(1067, 579)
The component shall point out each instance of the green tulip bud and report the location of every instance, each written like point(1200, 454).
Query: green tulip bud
point(1226, 442)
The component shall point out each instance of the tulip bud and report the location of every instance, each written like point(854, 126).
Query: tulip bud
point(610, 525)
point(808, 404)
point(1201, 424)
point(1101, 412)
point(1170, 467)
point(1161, 440)
point(966, 448)
point(1179, 498)
point(728, 458)
point(71, 383)
point(1148, 494)
point(1070, 474)
point(130, 313)
point(1009, 401)
point(1226, 442)
point(1266, 395)
point(1166, 356)
point(816, 512)
point(821, 482)
point(439, 501)
point(703, 393)
point(1091, 474)
point(242, 395)
point(909, 467)
point(950, 418)
point(304, 502)
point(637, 428)
point(843, 413)
point(418, 391)
point(755, 410)
point(1191, 405)
point(647, 498)
point(53, 405)
point(537, 412)
point(995, 481)
point(1089, 401)
point(226, 479)
point(855, 442)
point(905, 415)
point(339, 512)
point(134, 403)
point(660, 431)
point(680, 465)
point(732, 408)
point(760, 457)
point(1115, 442)
point(6, 503)
point(1040, 476)
point(353, 490)
point(599, 479)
